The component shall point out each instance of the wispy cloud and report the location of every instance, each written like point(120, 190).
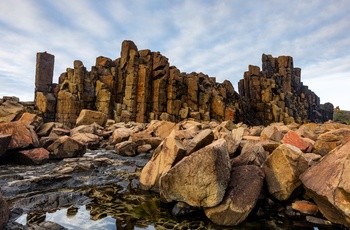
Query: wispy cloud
point(219, 38)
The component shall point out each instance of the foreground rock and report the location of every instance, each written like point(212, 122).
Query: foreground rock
point(22, 137)
point(169, 152)
point(240, 198)
point(328, 141)
point(4, 212)
point(200, 179)
point(328, 184)
point(66, 146)
point(32, 156)
point(282, 169)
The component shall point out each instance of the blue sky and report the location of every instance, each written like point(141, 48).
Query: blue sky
point(218, 37)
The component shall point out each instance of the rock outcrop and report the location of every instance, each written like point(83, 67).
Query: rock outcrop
point(240, 198)
point(142, 86)
point(328, 184)
point(199, 179)
point(276, 94)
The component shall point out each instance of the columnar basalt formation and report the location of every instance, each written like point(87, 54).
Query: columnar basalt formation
point(276, 94)
point(142, 86)
point(45, 100)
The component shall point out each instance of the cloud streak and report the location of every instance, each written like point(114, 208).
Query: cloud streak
point(219, 38)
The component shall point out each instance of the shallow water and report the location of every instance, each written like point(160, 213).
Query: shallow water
point(102, 192)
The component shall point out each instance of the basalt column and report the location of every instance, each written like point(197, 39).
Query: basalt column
point(45, 100)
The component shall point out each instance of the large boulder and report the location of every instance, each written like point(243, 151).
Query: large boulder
point(202, 139)
point(87, 117)
point(11, 111)
point(240, 198)
point(4, 143)
point(253, 153)
point(4, 212)
point(31, 119)
point(32, 156)
point(272, 133)
point(282, 170)
point(160, 129)
point(120, 135)
point(22, 136)
point(199, 179)
point(45, 129)
point(328, 184)
point(328, 141)
point(126, 148)
point(92, 141)
point(66, 146)
point(293, 138)
point(170, 151)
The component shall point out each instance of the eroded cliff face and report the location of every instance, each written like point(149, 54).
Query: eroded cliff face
point(142, 86)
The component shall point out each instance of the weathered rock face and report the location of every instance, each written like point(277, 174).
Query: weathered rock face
point(199, 179)
point(10, 111)
point(276, 94)
point(240, 198)
point(87, 117)
point(22, 137)
point(282, 170)
point(328, 184)
point(66, 146)
point(169, 152)
point(331, 139)
point(142, 86)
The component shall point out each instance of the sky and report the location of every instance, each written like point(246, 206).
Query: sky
point(219, 38)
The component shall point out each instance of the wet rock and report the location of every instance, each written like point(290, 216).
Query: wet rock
point(168, 153)
point(4, 212)
point(64, 147)
point(282, 170)
point(32, 156)
point(4, 143)
point(31, 119)
point(202, 139)
point(292, 138)
point(328, 184)
point(331, 139)
point(240, 198)
point(46, 225)
point(87, 117)
point(199, 179)
point(21, 136)
point(183, 209)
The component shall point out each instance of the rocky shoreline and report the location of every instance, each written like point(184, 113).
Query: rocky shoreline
point(227, 172)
